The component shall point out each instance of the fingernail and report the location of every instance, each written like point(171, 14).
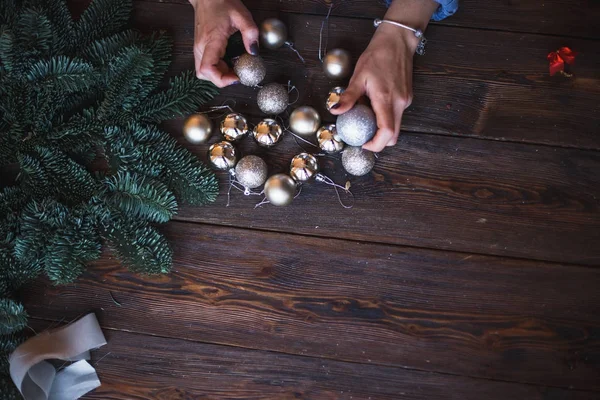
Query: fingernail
point(254, 49)
point(336, 105)
point(236, 83)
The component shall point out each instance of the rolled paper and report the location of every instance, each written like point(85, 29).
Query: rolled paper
point(37, 379)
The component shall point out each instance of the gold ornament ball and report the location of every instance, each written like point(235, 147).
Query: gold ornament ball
point(273, 98)
point(305, 121)
point(358, 162)
point(304, 167)
point(280, 190)
point(222, 156)
point(328, 139)
point(334, 97)
point(197, 128)
point(273, 33)
point(250, 69)
point(234, 127)
point(251, 172)
point(337, 64)
point(267, 132)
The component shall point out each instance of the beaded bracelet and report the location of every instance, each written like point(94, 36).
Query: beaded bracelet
point(418, 33)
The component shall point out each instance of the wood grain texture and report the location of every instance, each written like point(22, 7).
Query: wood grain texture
point(452, 313)
point(556, 17)
point(471, 83)
point(134, 367)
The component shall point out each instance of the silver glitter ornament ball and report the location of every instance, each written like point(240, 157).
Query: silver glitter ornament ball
point(337, 64)
point(250, 69)
point(197, 128)
point(358, 162)
point(334, 97)
point(273, 33)
point(267, 132)
point(222, 156)
point(357, 126)
point(304, 167)
point(328, 139)
point(273, 98)
point(280, 190)
point(234, 127)
point(305, 121)
point(251, 172)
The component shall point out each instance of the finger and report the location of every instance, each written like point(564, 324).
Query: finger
point(244, 22)
point(384, 112)
point(397, 124)
point(213, 68)
point(347, 100)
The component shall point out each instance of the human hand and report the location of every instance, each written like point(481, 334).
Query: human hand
point(384, 74)
point(384, 71)
point(215, 21)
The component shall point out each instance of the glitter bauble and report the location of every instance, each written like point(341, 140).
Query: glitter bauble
point(267, 132)
point(222, 156)
point(357, 126)
point(333, 97)
point(337, 64)
point(273, 98)
point(280, 190)
point(197, 128)
point(304, 167)
point(305, 121)
point(234, 127)
point(273, 33)
point(251, 172)
point(250, 69)
point(328, 139)
point(358, 162)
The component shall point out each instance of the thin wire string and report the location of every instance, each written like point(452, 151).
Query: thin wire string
point(290, 45)
point(326, 20)
point(291, 88)
point(328, 181)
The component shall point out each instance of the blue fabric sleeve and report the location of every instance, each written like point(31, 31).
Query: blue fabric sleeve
point(446, 8)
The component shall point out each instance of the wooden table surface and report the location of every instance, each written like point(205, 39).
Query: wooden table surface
point(467, 268)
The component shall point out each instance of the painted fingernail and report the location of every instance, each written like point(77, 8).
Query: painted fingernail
point(254, 49)
point(236, 83)
point(336, 105)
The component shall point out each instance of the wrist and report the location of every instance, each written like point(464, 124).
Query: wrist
point(396, 38)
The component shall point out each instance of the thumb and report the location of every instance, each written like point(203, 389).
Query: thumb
point(348, 99)
point(244, 22)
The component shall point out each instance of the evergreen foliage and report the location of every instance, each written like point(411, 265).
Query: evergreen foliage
point(79, 109)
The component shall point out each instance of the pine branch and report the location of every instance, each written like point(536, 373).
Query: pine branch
point(102, 18)
point(6, 48)
point(13, 317)
point(185, 95)
point(102, 51)
point(139, 197)
point(33, 34)
point(63, 74)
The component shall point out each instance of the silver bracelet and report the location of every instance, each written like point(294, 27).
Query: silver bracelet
point(418, 33)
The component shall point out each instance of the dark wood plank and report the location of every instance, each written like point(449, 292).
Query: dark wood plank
point(133, 366)
point(555, 17)
point(485, 84)
point(453, 313)
point(448, 193)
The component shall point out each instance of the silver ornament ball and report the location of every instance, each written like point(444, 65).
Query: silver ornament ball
point(267, 132)
point(273, 33)
point(328, 139)
point(273, 98)
point(305, 121)
point(333, 97)
point(357, 126)
point(250, 69)
point(358, 162)
point(251, 172)
point(280, 190)
point(234, 127)
point(337, 64)
point(304, 167)
point(197, 128)
point(222, 156)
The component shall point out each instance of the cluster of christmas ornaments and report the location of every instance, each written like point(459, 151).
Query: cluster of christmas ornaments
point(351, 130)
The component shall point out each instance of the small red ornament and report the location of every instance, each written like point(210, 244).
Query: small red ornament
point(558, 58)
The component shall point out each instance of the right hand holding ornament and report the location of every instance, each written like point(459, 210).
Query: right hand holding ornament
point(215, 21)
point(384, 71)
